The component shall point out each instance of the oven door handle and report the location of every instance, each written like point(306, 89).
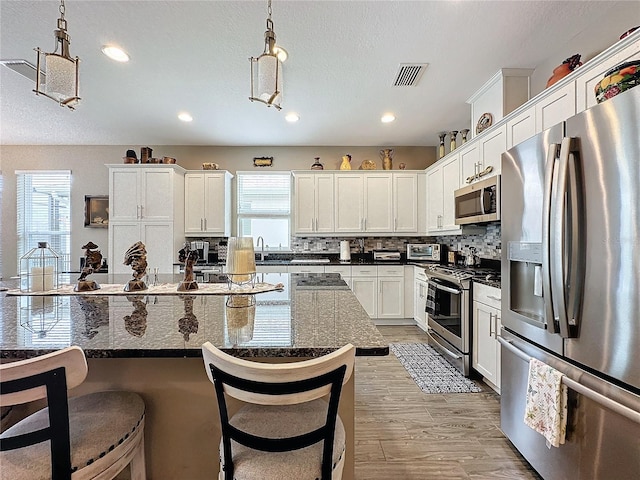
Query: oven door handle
point(444, 288)
point(446, 350)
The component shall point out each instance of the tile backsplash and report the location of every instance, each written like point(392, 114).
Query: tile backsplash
point(488, 244)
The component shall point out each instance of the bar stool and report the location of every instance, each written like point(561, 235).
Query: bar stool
point(286, 429)
point(91, 436)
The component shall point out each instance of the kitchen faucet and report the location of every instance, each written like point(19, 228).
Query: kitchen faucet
point(260, 243)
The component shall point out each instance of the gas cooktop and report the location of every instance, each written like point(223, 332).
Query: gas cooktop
point(463, 273)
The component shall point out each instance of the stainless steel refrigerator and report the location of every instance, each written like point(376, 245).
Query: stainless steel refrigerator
point(571, 287)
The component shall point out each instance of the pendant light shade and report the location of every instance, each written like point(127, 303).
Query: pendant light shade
point(266, 71)
point(60, 69)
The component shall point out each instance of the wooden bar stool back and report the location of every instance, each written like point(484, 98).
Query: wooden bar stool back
point(90, 436)
point(286, 429)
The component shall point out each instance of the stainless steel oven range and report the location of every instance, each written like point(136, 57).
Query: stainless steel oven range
point(448, 314)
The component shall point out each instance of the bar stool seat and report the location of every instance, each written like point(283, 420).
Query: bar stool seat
point(94, 436)
point(281, 422)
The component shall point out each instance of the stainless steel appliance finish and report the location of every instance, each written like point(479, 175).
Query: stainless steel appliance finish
point(203, 250)
point(431, 252)
point(478, 202)
point(571, 283)
point(448, 317)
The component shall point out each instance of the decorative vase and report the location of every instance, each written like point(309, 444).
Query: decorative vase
point(346, 162)
point(617, 80)
point(317, 165)
point(441, 151)
point(564, 69)
point(464, 134)
point(453, 136)
point(387, 160)
point(402, 166)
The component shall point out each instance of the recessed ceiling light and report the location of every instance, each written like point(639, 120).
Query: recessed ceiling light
point(115, 53)
point(292, 117)
point(388, 118)
point(185, 117)
point(281, 53)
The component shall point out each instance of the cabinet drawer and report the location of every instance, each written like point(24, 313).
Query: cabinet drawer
point(364, 271)
point(390, 271)
point(488, 295)
point(305, 269)
point(343, 270)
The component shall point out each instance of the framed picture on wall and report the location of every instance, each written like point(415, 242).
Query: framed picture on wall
point(96, 211)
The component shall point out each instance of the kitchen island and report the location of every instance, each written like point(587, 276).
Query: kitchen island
point(151, 345)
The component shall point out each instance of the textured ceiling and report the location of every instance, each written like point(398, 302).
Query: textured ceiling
point(343, 58)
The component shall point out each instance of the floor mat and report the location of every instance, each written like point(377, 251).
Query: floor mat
point(431, 371)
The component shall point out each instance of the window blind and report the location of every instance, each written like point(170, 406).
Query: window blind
point(44, 212)
point(263, 194)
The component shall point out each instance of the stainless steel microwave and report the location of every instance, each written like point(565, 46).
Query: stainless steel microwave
point(429, 252)
point(478, 202)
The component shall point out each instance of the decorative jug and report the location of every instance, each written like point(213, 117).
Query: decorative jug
point(346, 162)
point(387, 160)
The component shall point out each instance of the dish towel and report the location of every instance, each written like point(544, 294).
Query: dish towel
point(431, 300)
point(546, 408)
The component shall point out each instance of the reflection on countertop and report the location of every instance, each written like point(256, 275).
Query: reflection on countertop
point(313, 315)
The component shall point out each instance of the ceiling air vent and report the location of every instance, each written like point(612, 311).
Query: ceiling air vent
point(24, 68)
point(409, 74)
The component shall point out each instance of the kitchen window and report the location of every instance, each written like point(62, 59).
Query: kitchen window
point(264, 207)
point(44, 212)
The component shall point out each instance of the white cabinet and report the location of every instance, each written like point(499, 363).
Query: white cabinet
point(146, 203)
point(486, 326)
point(363, 202)
point(158, 239)
point(556, 107)
point(207, 204)
point(521, 127)
point(442, 180)
point(142, 193)
point(406, 204)
point(420, 297)
point(483, 153)
point(390, 291)
point(364, 284)
point(313, 195)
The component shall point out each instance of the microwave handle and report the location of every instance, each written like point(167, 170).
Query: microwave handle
point(482, 209)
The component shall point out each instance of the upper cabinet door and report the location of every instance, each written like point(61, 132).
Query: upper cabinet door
point(450, 183)
point(194, 186)
point(124, 201)
point(470, 161)
point(434, 199)
point(521, 127)
point(217, 208)
point(324, 200)
point(304, 203)
point(492, 146)
point(378, 202)
point(156, 194)
point(405, 202)
point(556, 107)
point(349, 209)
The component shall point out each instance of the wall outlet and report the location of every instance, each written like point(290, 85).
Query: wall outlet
point(379, 246)
point(305, 246)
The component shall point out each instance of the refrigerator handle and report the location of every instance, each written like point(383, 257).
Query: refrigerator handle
point(552, 154)
point(558, 240)
point(576, 242)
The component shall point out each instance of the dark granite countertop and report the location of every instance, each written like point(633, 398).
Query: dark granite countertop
point(313, 315)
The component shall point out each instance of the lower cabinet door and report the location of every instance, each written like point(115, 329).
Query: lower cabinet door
point(486, 358)
point(366, 291)
point(391, 297)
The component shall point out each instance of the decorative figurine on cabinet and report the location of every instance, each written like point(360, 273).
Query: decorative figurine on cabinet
point(317, 165)
point(346, 162)
point(136, 256)
point(92, 262)
point(441, 152)
point(189, 258)
point(387, 158)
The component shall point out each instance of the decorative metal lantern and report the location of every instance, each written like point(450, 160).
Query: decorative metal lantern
point(266, 70)
point(39, 269)
point(61, 78)
point(241, 261)
point(240, 311)
point(40, 314)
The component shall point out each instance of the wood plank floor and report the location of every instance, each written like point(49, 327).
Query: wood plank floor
point(404, 434)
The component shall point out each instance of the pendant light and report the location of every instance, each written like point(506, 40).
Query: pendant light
point(60, 70)
point(266, 70)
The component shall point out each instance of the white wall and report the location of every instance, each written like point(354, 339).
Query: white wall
point(89, 176)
